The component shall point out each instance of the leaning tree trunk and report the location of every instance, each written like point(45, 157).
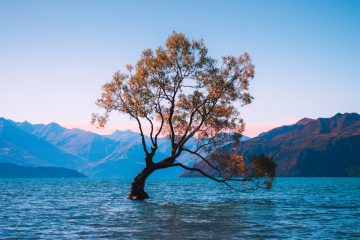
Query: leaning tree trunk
point(137, 191)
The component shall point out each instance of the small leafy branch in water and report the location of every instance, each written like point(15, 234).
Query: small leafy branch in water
point(228, 167)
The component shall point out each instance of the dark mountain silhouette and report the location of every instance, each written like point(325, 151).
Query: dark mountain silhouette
point(10, 170)
point(325, 147)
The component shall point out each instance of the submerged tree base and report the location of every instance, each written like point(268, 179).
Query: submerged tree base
point(138, 196)
point(137, 191)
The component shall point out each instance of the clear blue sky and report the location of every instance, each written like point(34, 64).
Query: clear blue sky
point(55, 55)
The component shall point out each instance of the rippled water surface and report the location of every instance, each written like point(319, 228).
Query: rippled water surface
point(297, 208)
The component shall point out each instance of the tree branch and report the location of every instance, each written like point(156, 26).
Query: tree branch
point(202, 158)
point(224, 181)
point(161, 125)
point(142, 136)
point(151, 131)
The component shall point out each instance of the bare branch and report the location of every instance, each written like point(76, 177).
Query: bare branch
point(202, 158)
point(151, 131)
point(142, 135)
point(224, 181)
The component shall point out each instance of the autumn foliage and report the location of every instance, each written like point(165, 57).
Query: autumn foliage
point(181, 92)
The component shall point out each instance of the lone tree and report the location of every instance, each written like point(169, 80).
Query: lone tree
point(181, 92)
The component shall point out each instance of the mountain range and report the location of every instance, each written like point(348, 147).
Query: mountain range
point(119, 154)
point(323, 147)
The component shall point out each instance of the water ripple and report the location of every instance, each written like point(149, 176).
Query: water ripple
point(295, 208)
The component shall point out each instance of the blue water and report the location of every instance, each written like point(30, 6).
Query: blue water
point(297, 208)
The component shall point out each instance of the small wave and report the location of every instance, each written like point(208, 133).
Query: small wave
point(338, 207)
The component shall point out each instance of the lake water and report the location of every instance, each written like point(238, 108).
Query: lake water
point(298, 208)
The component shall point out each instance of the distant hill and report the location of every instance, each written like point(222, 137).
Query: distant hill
point(20, 147)
point(311, 147)
point(9, 170)
point(325, 147)
point(117, 155)
point(87, 145)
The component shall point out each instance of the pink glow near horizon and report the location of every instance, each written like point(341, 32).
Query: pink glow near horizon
point(110, 128)
point(251, 130)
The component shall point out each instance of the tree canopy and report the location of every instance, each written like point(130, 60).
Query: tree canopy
point(181, 92)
